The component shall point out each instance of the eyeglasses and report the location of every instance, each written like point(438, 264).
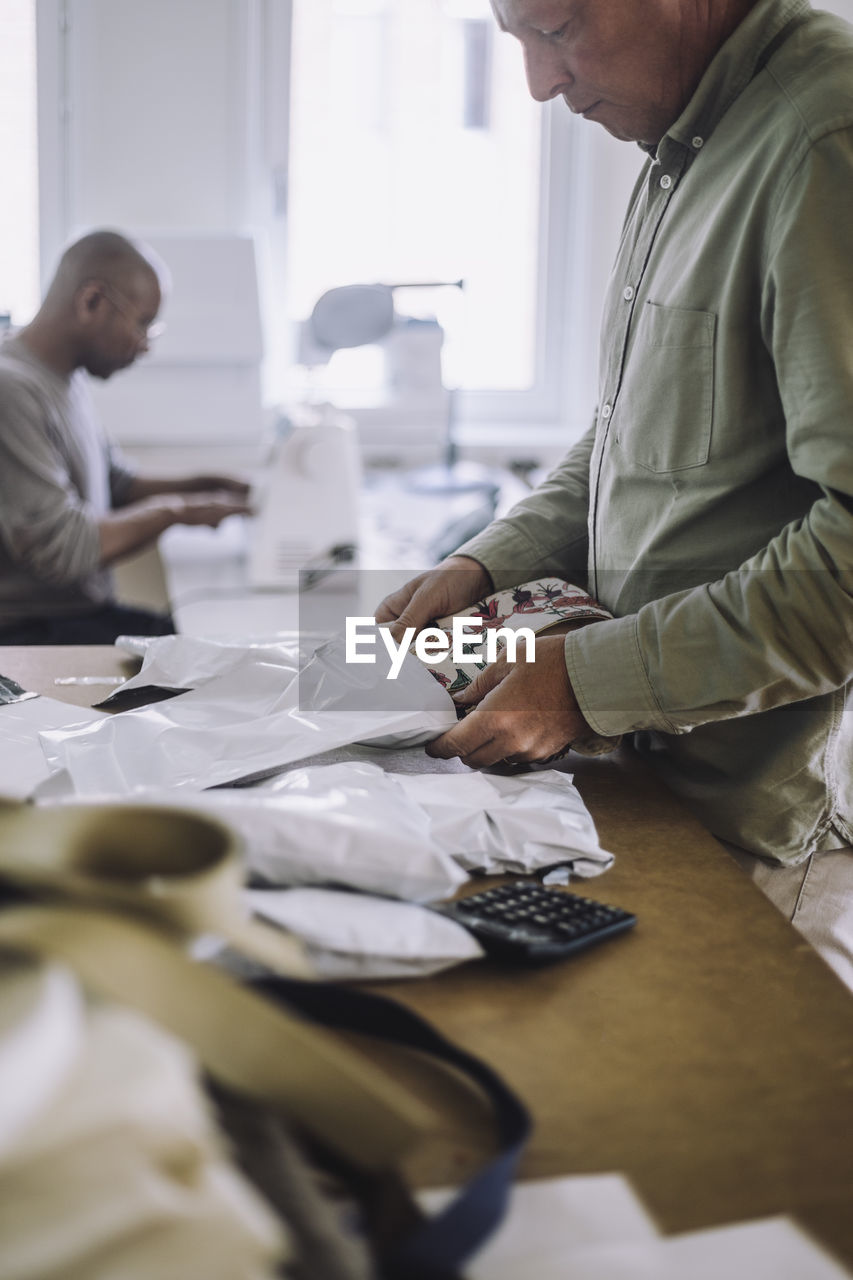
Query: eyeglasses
point(147, 331)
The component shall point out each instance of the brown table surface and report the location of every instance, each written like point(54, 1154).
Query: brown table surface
point(707, 1054)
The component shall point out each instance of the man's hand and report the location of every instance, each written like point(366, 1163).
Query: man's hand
point(129, 528)
point(450, 587)
point(232, 485)
point(145, 486)
point(522, 711)
point(208, 508)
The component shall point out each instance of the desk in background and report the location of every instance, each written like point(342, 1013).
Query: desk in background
point(707, 1054)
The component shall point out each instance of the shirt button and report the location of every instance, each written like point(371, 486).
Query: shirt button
point(697, 142)
point(606, 411)
point(628, 292)
point(666, 182)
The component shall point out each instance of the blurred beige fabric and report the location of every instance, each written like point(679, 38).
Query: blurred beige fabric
point(110, 1161)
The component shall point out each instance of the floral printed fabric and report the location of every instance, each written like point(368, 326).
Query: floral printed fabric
point(537, 605)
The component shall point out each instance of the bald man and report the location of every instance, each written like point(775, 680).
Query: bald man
point(70, 505)
point(710, 506)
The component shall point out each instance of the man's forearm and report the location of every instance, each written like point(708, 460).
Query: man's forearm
point(144, 486)
point(132, 527)
point(778, 630)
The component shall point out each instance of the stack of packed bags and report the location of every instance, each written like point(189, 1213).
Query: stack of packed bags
point(318, 766)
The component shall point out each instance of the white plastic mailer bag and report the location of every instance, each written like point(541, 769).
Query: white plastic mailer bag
point(354, 935)
point(519, 823)
point(523, 823)
point(349, 825)
point(22, 762)
point(187, 662)
point(251, 720)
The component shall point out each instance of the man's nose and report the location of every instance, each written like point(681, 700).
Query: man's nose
point(546, 71)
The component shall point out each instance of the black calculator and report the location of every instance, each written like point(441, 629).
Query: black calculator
point(525, 922)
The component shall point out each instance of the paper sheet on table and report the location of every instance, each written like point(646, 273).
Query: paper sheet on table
point(775, 1249)
point(354, 935)
point(22, 761)
point(545, 1214)
point(595, 1228)
point(250, 721)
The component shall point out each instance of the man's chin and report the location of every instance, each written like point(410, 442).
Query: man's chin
point(103, 372)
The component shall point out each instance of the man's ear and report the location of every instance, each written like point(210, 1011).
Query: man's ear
point(89, 302)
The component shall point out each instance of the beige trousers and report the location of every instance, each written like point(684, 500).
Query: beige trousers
point(816, 896)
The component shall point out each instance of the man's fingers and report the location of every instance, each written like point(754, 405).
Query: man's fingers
point(399, 625)
point(484, 737)
point(405, 608)
point(486, 680)
point(451, 586)
point(464, 745)
point(418, 612)
point(391, 607)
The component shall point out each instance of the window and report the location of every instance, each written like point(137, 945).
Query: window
point(19, 248)
point(359, 141)
point(414, 153)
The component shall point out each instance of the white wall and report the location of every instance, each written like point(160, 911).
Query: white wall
point(158, 109)
point(844, 8)
point(154, 135)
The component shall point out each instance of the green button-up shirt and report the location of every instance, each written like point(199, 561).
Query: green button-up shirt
point(710, 508)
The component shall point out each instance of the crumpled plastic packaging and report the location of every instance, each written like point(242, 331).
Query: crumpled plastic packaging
point(347, 825)
point(412, 836)
point(139, 645)
point(523, 823)
point(22, 763)
point(518, 823)
point(249, 715)
point(354, 935)
point(186, 662)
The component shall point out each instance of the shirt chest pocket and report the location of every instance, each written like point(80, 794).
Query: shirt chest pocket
point(666, 402)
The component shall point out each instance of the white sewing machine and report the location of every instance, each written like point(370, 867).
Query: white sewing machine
point(307, 499)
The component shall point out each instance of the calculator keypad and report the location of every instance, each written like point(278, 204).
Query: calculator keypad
point(526, 921)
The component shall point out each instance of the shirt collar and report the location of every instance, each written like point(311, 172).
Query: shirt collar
point(732, 68)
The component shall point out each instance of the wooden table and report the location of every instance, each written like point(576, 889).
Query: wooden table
point(708, 1054)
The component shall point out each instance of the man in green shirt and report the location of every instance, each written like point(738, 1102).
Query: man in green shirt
point(710, 507)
